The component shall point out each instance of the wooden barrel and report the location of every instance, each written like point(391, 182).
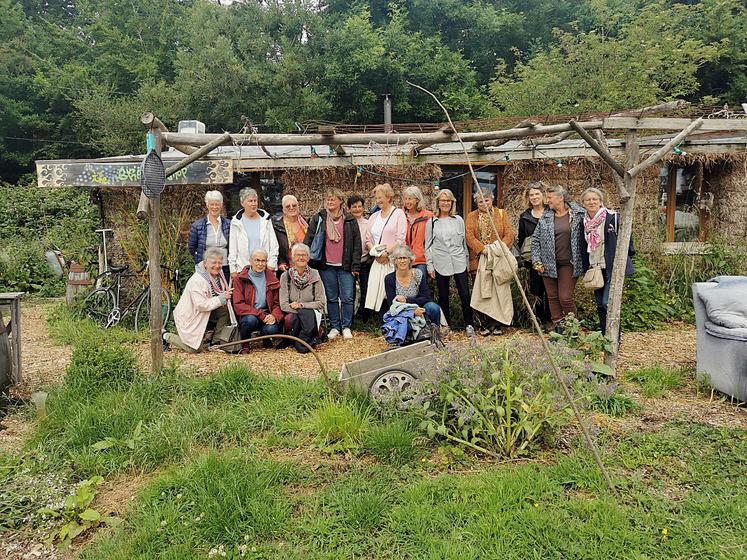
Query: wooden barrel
point(77, 279)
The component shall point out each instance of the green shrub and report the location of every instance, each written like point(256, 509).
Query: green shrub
point(392, 442)
point(657, 380)
point(97, 364)
point(647, 304)
point(605, 398)
point(23, 268)
point(339, 424)
point(66, 326)
point(495, 401)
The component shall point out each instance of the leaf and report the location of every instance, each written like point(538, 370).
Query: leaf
point(431, 431)
point(604, 369)
point(138, 430)
point(103, 444)
point(48, 511)
point(441, 430)
point(90, 515)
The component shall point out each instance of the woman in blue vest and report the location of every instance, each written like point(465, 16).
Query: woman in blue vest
point(211, 231)
point(598, 244)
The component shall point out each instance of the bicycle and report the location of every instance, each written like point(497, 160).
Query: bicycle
point(103, 304)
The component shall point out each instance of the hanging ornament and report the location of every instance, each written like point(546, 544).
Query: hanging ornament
point(558, 163)
point(507, 157)
point(358, 171)
point(679, 151)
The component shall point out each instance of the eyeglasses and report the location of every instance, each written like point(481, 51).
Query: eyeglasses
point(290, 206)
point(402, 259)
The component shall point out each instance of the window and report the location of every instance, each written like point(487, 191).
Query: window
point(680, 194)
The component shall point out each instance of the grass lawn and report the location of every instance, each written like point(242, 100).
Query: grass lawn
point(243, 464)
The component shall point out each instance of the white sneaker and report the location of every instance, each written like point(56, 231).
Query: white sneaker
point(333, 334)
point(470, 330)
point(347, 334)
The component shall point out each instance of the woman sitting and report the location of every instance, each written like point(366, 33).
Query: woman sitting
point(256, 299)
point(202, 308)
point(302, 299)
point(407, 290)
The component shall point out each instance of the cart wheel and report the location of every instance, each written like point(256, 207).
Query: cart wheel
point(391, 383)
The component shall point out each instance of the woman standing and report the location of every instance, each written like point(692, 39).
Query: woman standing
point(302, 299)
point(417, 218)
point(534, 196)
point(251, 229)
point(598, 246)
point(211, 231)
point(387, 228)
point(556, 251)
point(290, 228)
point(355, 206)
point(480, 234)
point(447, 255)
point(340, 260)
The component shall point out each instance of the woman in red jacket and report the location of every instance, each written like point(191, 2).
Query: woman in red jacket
point(417, 219)
point(256, 299)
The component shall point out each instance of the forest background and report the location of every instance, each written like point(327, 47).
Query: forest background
point(76, 74)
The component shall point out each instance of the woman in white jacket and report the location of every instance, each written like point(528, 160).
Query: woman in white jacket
point(251, 229)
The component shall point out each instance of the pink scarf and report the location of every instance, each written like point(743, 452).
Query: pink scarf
point(593, 229)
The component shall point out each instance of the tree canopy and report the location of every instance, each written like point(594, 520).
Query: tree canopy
point(76, 74)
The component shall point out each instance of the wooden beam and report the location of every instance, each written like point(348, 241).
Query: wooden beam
point(365, 139)
point(154, 270)
point(671, 204)
point(616, 178)
point(666, 148)
point(183, 148)
point(709, 125)
point(624, 232)
point(197, 154)
point(547, 140)
point(653, 109)
point(340, 150)
point(598, 148)
point(490, 144)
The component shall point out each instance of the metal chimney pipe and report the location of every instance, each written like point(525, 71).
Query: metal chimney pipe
point(387, 113)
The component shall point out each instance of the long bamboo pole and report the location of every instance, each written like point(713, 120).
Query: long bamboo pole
point(538, 329)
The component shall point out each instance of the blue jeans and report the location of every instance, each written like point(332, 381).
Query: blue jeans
point(250, 323)
point(433, 311)
point(602, 297)
point(339, 285)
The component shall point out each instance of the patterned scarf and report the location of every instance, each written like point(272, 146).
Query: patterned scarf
point(300, 280)
point(291, 228)
point(217, 283)
point(593, 229)
point(484, 228)
point(332, 234)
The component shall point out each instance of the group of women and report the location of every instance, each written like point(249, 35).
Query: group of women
point(390, 255)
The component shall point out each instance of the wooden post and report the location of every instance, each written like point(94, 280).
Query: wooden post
point(625, 230)
point(154, 268)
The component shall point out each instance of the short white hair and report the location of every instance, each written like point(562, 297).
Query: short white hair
point(288, 198)
point(213, 195)
point(247, 193)
point(260, 251)
point(212, 253)
point(300, 248)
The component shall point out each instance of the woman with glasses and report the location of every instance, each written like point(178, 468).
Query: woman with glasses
point(290, 228)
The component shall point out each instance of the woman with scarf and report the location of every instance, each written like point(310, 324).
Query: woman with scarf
point(340, 260)
point(598, 246)
point(534, 197)
point(202, 308)
point(556, 251)
point(290, 228)
point(480, 233)
point(355, 206)
point(302, 299)
point(387, 228)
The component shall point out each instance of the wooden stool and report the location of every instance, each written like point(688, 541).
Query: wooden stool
point(13, 300)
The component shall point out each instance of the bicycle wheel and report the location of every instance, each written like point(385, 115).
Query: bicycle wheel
point(142, 313)
point(99, 305)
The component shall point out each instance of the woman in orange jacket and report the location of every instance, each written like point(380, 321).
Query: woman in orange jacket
point(417, 218)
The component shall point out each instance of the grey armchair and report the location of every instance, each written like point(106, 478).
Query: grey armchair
point(721, 322)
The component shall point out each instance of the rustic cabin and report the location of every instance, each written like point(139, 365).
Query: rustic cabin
point(698, 191)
